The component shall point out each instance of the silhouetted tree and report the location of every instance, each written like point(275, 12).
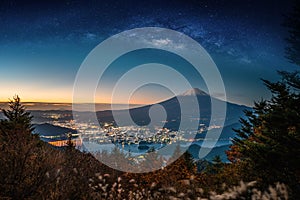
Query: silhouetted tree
point(17, 115)
point(269, 139)
point(292, 23)
point(216, 166)
point(27, 164)
point(152, 161)
point(267, 146)
point(268, 143)
point(70, 144)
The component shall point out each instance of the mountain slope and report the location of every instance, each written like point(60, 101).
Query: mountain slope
point(172, 107)
point(49, 132)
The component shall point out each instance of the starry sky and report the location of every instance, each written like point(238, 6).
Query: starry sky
point(43, 43)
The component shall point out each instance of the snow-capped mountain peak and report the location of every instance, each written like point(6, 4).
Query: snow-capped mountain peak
point(194, 92)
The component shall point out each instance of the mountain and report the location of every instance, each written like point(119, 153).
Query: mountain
point(49, 132)
point(172, 107)
point(194, 92)
point(47, 129)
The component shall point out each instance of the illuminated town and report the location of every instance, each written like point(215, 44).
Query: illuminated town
point(138, 137)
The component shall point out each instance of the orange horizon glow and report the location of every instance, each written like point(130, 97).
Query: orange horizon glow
point(61, 96)
point(70, 102)
point(44, 93)
point(63, 99)
point(67, 101)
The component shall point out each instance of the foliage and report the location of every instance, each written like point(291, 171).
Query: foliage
point(268, 144)
point(32, 169)
point(17, 116)
point(25, 161)
point(269, 140)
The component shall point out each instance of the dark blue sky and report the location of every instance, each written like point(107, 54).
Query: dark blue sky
point(43, 44)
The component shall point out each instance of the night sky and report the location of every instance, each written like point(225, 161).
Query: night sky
point(42, 44)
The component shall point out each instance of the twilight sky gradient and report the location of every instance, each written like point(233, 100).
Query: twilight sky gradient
point(42, 44)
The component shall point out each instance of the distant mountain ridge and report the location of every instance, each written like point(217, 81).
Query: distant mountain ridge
point(47, 129)
point(49, 132)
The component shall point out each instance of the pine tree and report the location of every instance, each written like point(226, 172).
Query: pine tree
point(215, 166)
point(269, 140)
point(189, 160)
point(70, 144)
point(268, 143)
point(17, 115)
point(152, 161)
point(27, 164)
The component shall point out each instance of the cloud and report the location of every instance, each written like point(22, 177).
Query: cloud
point(161, 42)
point(245, 60)
point(90, 36)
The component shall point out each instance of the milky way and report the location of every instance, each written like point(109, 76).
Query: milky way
point(243, 37)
